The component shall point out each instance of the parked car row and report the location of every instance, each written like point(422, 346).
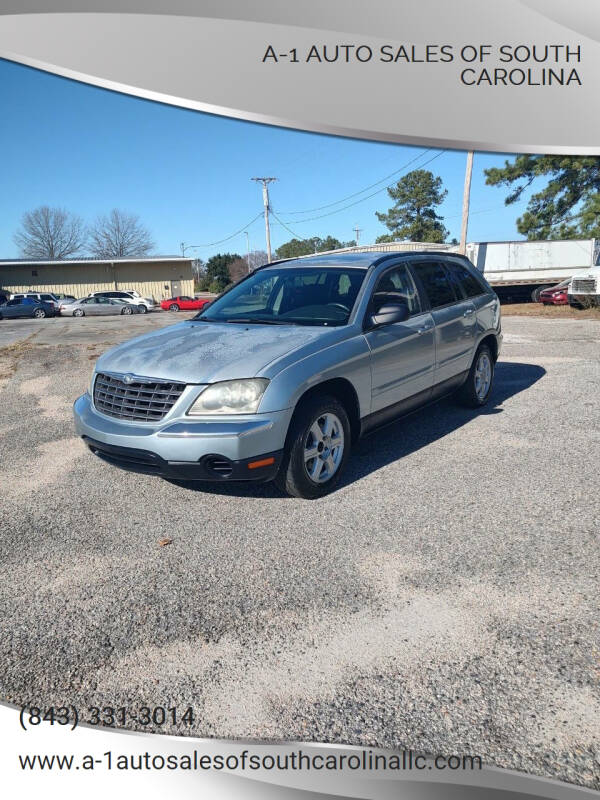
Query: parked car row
point(102, 303)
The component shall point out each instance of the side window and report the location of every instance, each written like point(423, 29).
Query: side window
point(436, 282)
point(14, 303)
point(396, 286)
point(468, 281)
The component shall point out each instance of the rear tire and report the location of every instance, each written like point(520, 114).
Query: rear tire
point(39, 313)
point(317, 449)
point(535, 295)
point(173, 307)
point(476, 390)
point(127, 310)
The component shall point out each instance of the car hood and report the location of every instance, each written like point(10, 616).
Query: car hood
point(201, 352)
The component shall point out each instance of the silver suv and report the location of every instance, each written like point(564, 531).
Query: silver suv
point(279, 375)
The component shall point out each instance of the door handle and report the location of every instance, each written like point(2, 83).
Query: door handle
point(468, 312)
point(424, 329)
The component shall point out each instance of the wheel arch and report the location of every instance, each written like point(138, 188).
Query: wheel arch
point(343, 390)
point(492, 342)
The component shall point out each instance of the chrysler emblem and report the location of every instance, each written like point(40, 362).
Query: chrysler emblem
point(128, 378)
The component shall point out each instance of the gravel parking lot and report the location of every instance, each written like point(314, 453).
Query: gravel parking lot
point(444, 599)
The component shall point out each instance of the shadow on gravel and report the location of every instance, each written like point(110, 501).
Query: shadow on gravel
point(403, 436)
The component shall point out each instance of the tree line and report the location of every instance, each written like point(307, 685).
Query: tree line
point(566, 206)
point(56, 234)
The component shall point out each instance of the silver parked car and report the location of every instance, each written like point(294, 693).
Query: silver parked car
point(96, 306)
point(279, 375)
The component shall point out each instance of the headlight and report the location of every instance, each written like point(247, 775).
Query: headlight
point(230, 397)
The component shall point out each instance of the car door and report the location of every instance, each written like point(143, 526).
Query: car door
point(12, 309)
point(103, 306)
point(454, 317)
point(402, 354)
point(93, 306)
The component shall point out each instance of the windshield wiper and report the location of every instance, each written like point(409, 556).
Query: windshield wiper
point(253, 321)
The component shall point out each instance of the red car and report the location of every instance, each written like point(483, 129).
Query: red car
point(555, 295)
point(184, 303)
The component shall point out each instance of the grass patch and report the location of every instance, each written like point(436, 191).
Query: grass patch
point(11, 354)
point(549, 312)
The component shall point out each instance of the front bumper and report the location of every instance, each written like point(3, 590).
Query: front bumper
point(185, 447)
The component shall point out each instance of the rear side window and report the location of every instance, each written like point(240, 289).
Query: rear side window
point(469, 283)
point(436, 282)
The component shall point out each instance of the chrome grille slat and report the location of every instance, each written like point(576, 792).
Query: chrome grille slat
point(137, 401)
point(584, 285)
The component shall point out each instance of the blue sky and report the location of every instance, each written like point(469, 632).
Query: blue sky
point(187, 175)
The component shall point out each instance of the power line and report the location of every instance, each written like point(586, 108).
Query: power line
point(289, 230)
point(362, 199)
point(366, 188)
point(227, 238)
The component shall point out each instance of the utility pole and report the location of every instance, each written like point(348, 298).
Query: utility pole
point(357, 231)
point(265, 184)
point(248, 249)
point(465, 208)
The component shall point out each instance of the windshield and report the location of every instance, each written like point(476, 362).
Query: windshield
point(290, 296)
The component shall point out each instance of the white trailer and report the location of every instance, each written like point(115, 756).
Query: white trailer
point(520, 270)
point(517, 270)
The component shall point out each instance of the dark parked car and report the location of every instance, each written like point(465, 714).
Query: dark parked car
point(26, 307)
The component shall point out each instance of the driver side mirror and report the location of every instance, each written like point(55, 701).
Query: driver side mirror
point(388, 314)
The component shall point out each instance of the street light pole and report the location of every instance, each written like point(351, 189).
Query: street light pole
point(248, 249)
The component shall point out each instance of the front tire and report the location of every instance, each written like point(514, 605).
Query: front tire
point(79, 312)
point(317, 449)
point(142, 309)
point(476, 390)
point(127, 310)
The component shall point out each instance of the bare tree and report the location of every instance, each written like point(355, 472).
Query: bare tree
point(238, 269)
point(257, 259)
point(120, 235)
point(50, 233)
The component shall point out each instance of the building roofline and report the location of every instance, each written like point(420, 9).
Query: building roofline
point(16, 262)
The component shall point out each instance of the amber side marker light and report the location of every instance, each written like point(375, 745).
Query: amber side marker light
point(264, 462)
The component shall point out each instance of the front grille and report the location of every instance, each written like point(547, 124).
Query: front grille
point(137, 401)
point(583, 285)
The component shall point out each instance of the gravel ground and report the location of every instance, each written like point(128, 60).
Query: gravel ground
point(445, 598)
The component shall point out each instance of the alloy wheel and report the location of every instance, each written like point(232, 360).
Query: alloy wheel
point(324, 448)
point(483, 376)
